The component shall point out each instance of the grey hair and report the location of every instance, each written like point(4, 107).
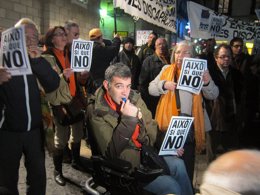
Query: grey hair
point(26, 22)
point(243, 178)
point(119, 69)
point(187, 43)
point(69, 24)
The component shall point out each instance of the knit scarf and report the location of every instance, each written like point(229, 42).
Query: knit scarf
point(116, 108)
point(65, 63)
point(167, 108)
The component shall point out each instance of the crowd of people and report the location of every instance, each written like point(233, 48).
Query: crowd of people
point(131, 99)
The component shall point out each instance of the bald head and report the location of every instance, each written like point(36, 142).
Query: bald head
point(161, 47)
point(238, 171)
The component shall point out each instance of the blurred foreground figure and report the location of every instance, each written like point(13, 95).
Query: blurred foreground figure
point(236, 172)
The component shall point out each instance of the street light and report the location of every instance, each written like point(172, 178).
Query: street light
point(103, 14)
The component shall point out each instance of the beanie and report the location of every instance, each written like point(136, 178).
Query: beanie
point(128, 40)
point(95, 33)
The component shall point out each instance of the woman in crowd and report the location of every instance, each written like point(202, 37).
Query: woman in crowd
point(55, 42)
point(183, 103)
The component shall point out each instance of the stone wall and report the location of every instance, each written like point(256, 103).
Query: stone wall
point(48, 13)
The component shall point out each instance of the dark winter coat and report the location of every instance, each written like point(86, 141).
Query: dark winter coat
point(112, 133)
point(20, 97)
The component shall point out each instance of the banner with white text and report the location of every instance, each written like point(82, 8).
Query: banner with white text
point(205, 24)
point(160, 13)
point(176, 135)
point(13, 52)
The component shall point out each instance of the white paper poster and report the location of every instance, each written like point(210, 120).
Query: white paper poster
point(142, 36)
point(191, 75)
point(176, 135)
point(81, 55)
point(13, 53)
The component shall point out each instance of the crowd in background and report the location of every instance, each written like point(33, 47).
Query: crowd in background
point(225, 112)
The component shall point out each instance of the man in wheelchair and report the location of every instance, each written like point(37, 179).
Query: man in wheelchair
point(121, 124)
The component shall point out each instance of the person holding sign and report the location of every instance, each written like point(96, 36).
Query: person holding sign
point(183, 103)
point(121, 126)
point(57, 53)
point(21, 129)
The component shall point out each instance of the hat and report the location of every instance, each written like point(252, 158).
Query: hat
point(128, 40)
point(95, 33)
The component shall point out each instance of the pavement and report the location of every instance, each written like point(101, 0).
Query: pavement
point(75, 177)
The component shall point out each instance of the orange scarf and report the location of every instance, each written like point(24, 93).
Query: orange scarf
point(164, 112)
point(116, 108)
point(65, 63)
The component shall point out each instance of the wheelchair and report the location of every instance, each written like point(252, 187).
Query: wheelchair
point(115, 176)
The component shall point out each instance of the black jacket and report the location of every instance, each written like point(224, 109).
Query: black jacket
point(101, 58)
point(151, 67)
point(20, 103)
point(130, 59)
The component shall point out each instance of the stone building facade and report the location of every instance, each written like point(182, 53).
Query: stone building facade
point(49, 13)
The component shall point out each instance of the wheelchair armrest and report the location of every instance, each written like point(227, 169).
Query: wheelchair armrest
point(115, 164)
point(146, 175)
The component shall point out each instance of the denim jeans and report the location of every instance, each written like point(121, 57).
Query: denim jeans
point(176, 183)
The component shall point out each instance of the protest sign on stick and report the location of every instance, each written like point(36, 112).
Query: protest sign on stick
point(176, 135)
point(191, 75)
point(13, 52)
point(81, 55)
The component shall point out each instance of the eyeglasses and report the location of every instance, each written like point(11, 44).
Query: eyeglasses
point(60, 34)
point(224, 57)
point(237, 46)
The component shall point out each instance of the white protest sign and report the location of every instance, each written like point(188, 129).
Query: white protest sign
point(142, 36)
point(13, 52)
point(81, 55)
point(191, 75)
point(162, 15)
point(205, 23)
point(176, 135)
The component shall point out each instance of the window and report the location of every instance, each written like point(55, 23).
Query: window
point(223, 6)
